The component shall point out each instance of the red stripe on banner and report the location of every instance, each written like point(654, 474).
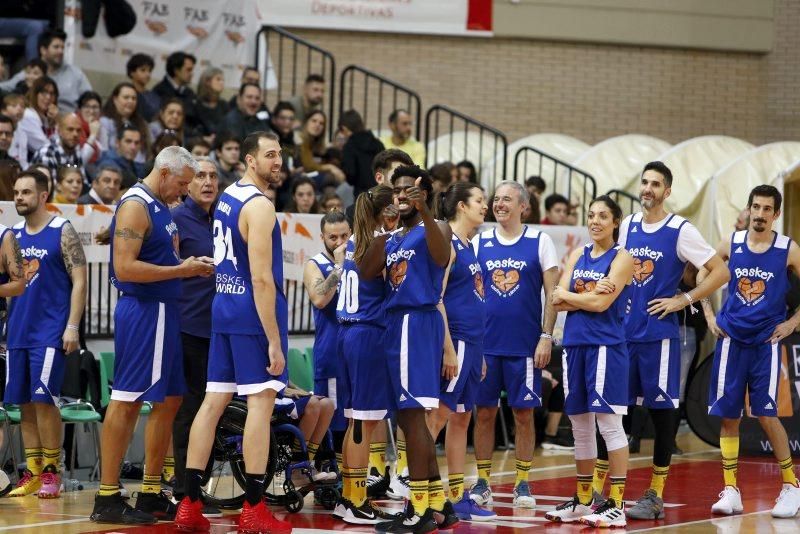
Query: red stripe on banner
point(479, 15)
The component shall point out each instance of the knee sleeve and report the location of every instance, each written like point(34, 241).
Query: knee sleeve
point(613, 433)
point(583, 432)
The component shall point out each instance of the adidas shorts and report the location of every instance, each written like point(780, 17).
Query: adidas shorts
point(655, 373)
point(595, 379)
point(739, 368)
point(365, 382)
point(515, 375)
point(237, 363)
point(291, 408)
point(413, 344)
point(459, 393)
point(34, 375)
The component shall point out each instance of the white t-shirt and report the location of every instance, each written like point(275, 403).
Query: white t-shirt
point(547, 249)
point(691, 245)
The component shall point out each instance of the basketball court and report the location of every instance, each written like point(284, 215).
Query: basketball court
point(694, 482)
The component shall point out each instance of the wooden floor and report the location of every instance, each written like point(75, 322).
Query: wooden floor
point(694, 482)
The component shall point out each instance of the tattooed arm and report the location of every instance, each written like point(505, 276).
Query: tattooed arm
point(75, 263)
point(11, 259)
point(320, 290)
point(131, 226)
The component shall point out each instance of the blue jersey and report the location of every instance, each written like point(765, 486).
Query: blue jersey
point(360, 301)
point(4, 278)
point(513, 273)
point(464, 298)
point(159, 247)
point(234, 309)
point(38, 317)
point(657, 272)
point(413, 279)
point(756, 301)
point(326, 328)
point(595, 328)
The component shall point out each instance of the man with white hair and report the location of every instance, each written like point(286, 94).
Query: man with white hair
point(146, 267)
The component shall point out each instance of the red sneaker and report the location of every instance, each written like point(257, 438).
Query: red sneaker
point(189, 517)
point(259, 520)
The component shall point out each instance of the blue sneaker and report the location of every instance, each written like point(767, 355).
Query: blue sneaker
point(467, 510)
point(481, 493)
point(523, 497)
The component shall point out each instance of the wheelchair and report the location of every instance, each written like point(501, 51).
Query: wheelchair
point(224, 483)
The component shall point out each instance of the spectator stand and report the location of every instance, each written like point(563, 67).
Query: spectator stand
point(565, 179)
point(285, 60)
point(375, 97)
point(453, 136)
point(628, 202)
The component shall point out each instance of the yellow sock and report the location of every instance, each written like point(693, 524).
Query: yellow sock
point(617, 490)
point(584, 492)
point(436, 494)
point(599, 477)
point(730, 459)
point(659, 479)
point(151, 483)
point(455, 486)
point(50, 457)
point(34, 461)
point(419, 495)
point(484, 469)
point(345, 483)
point(296, 447)
point(377, 457)
point(358, 485)
point(523, 467)
point(787, 471)
point(108, 489)
point(402, 459)
point(339, 460)
point(312, 450)
point(168, 469)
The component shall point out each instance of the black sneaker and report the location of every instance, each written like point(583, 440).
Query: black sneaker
point(377, 484)
point(410, 522)
point(447, 518)
point(114, 509)
point(366, 514)
point(159, 505)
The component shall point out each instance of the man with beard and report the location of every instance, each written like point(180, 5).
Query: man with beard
point(249, 335)
point(42, 328)
point(247, 117)
point(65, 149)
point(401, 124)
point(749, 329)
point(310, 99)
point(661, 244)
point(414, 257)
point(321, 276)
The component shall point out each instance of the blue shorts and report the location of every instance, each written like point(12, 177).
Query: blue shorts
point(148, 363)
point(595, 379)
point(459, 394)
point(34, 375)
point(515, 375)
point(332, 388)
point(237, 363)
point(365, 377)
point(291, 408)
point(739, 368)
point(413, 342)
point(655, 374)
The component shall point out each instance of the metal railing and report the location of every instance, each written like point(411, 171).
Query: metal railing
point(442, 120)
point(301, 318)
point(375, 97)
point(287, 60)
point(557, 172)
point(625, 200)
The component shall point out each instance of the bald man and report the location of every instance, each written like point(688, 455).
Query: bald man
point(64, 149)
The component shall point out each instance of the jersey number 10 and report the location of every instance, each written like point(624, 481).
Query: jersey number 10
point(348, 293)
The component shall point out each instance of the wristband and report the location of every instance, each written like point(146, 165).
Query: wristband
point(338, 268)
point(691, 303)
point(72, 327)
point(545, 335)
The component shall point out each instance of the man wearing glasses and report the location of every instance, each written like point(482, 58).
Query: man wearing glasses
point(194, 217)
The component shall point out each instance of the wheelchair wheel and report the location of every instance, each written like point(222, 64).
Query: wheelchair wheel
point(224, 484)
point(327, 496)
point(294, 501)
point(706, 426)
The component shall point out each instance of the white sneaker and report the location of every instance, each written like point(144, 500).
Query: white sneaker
point(5, 483)
point(730, 502)
point(523, 497)
point(606, 516)
point(399, 488)
point(569, 512)
point(788, 502)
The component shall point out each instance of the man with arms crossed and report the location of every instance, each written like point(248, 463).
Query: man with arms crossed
point(146, 267)
point(249, 334)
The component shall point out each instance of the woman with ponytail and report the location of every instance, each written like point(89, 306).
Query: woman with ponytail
point(364, 379)
point(463, 206)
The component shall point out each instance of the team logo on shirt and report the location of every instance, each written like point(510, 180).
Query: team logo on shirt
point(582, 286)
point(398, 266)
point(751, 284)
point(505, 275)
point(30, 268)
point(644, 264)
point(478, 279)
point(585, 280)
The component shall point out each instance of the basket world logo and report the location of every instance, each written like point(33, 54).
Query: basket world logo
point(644, 264)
